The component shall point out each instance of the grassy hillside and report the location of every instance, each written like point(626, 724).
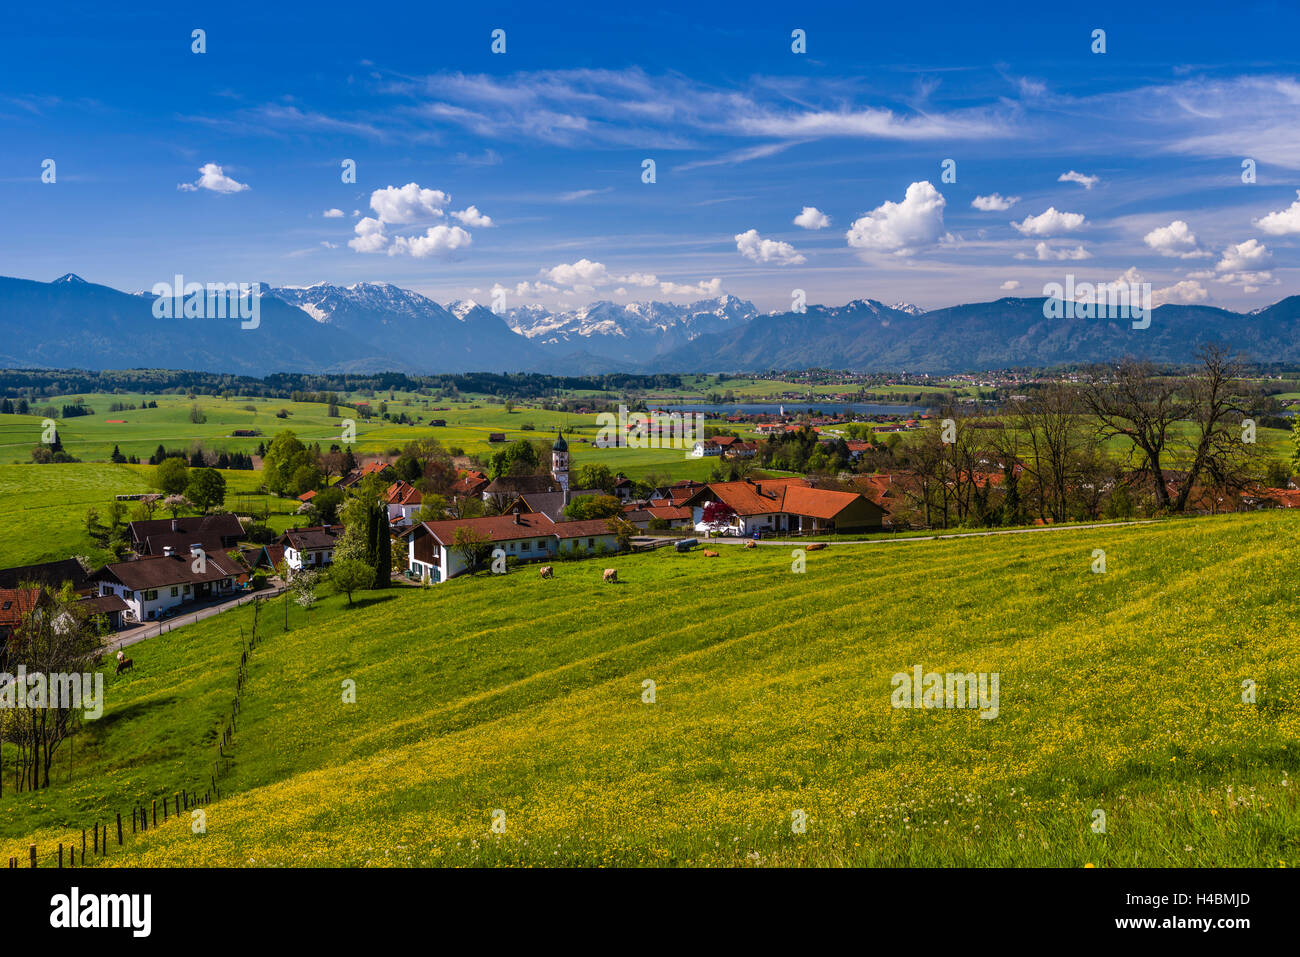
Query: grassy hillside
point(1119, 692)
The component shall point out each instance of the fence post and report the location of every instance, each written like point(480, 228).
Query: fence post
point(155, 812)
point(32, 850)
point(119, 828)
point(96, 847)
point(60, 855)
point(83, 846)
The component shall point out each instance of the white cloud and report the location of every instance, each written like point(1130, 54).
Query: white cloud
point(812, 218)
point(585, 275)
point(1176, 239)
point(710, 289)
point(753, 246)
point(1087, 182)
point(1010, 284)
point(436, 240)
point(901, 228)
point(406, 204)
point(1047, 253)
point(329, 245)
point(470, 216)
point(1185, 292)
point(333, 214)
point(1248, 255)
point(1284, 222)
point(370, 236)
point(994, 202)
point(211, 177)
point(1049, 223)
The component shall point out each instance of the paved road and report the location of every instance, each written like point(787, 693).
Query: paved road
point(152, 629)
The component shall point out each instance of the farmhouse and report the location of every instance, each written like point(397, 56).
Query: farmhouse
point(311, 547)
point(216, 532)
point(51, 574)
point(404, 502)
point(433, 555)
point(154, 584)
point(378, 467)
point(470, 484)
point(782, 505)
point(15, 603)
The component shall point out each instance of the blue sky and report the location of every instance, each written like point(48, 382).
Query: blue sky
point(547, 142)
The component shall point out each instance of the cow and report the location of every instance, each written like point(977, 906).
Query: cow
point(547, 571)
point(124, 663)
point(710, 554)
point(611, 575)
point(815, 547)
point(751, 544)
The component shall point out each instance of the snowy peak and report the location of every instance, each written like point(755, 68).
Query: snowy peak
point(908, 308)
point(71, 278)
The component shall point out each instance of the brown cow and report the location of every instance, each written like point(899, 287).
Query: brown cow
point(815, 546)
point(547, 571)
point(124, 664)
point(611, 574)
point(709, 554)
point(751, 544)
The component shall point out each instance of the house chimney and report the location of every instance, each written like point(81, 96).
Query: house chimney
point(168, 550)
point(196, 548)
point(176, 525)
point(517, 520)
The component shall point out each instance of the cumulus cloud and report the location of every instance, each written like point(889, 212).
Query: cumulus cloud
point(585, 275)
point(1241, 265)
point(406, 204)
point(1044, 252)
point(901, 228)
point(1049, 223)
point(436, 240)
point(333, 214)
point(1284, 222)
point(213, 178)
point(470, 216)
point(1087, 182)
point(994, 202)
point(1248, 255)
point(403, 205)
point(1010, 284)
point(753, 246)
point(710, 289)
point(1176, 239)
point(1186, 292)
point(812, 218)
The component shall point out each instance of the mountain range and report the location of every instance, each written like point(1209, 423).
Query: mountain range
point(367, 327)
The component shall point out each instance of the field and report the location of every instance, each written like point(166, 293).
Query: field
point(1119, 692)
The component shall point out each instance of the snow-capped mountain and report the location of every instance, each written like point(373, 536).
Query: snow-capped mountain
point(413, 325)
point(908, 308)
point(631, 331)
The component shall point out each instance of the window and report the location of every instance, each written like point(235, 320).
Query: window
point(187, 589)
point(524, 546)
point(151, 594)
point(176, 591)
point(591, 543)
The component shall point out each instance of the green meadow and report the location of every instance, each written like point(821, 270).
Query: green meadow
point(525, 701)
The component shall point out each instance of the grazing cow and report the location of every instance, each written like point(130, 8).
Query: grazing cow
point(124, 663)
point(547, 571)
point(611, 574)
point(815, 547)
point(751, 544)
point(710, 554)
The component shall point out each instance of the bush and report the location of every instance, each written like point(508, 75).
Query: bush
point(258, 581)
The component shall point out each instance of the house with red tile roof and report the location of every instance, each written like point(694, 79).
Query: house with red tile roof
point(784, 505)
point(404, 501)
point(433, 556)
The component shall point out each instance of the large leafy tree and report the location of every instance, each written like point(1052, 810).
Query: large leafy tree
point(206, 488)
point(172, 476)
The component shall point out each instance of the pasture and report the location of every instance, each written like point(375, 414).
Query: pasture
point(1120, 692)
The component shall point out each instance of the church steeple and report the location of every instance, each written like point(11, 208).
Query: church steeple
point(560, 464)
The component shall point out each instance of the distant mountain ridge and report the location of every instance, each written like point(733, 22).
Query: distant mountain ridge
point(367, 327)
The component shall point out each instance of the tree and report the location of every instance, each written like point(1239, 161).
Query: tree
point(383, 549)
point(304, 587)
point(623, 531)
point(172, 476)
point(206, 488)
point(718, 515)
point(517, 458)
point(285, 456)
point(349, 575)
point(596, 476)
point(472, 546)
point(325, 506)
point(593, 506)
point(176, 504)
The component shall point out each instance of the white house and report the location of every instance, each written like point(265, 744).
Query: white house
point(309, 547)
point(154, 584)
point(432, 553)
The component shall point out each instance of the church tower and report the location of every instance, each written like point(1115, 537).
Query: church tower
point(560, 464)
